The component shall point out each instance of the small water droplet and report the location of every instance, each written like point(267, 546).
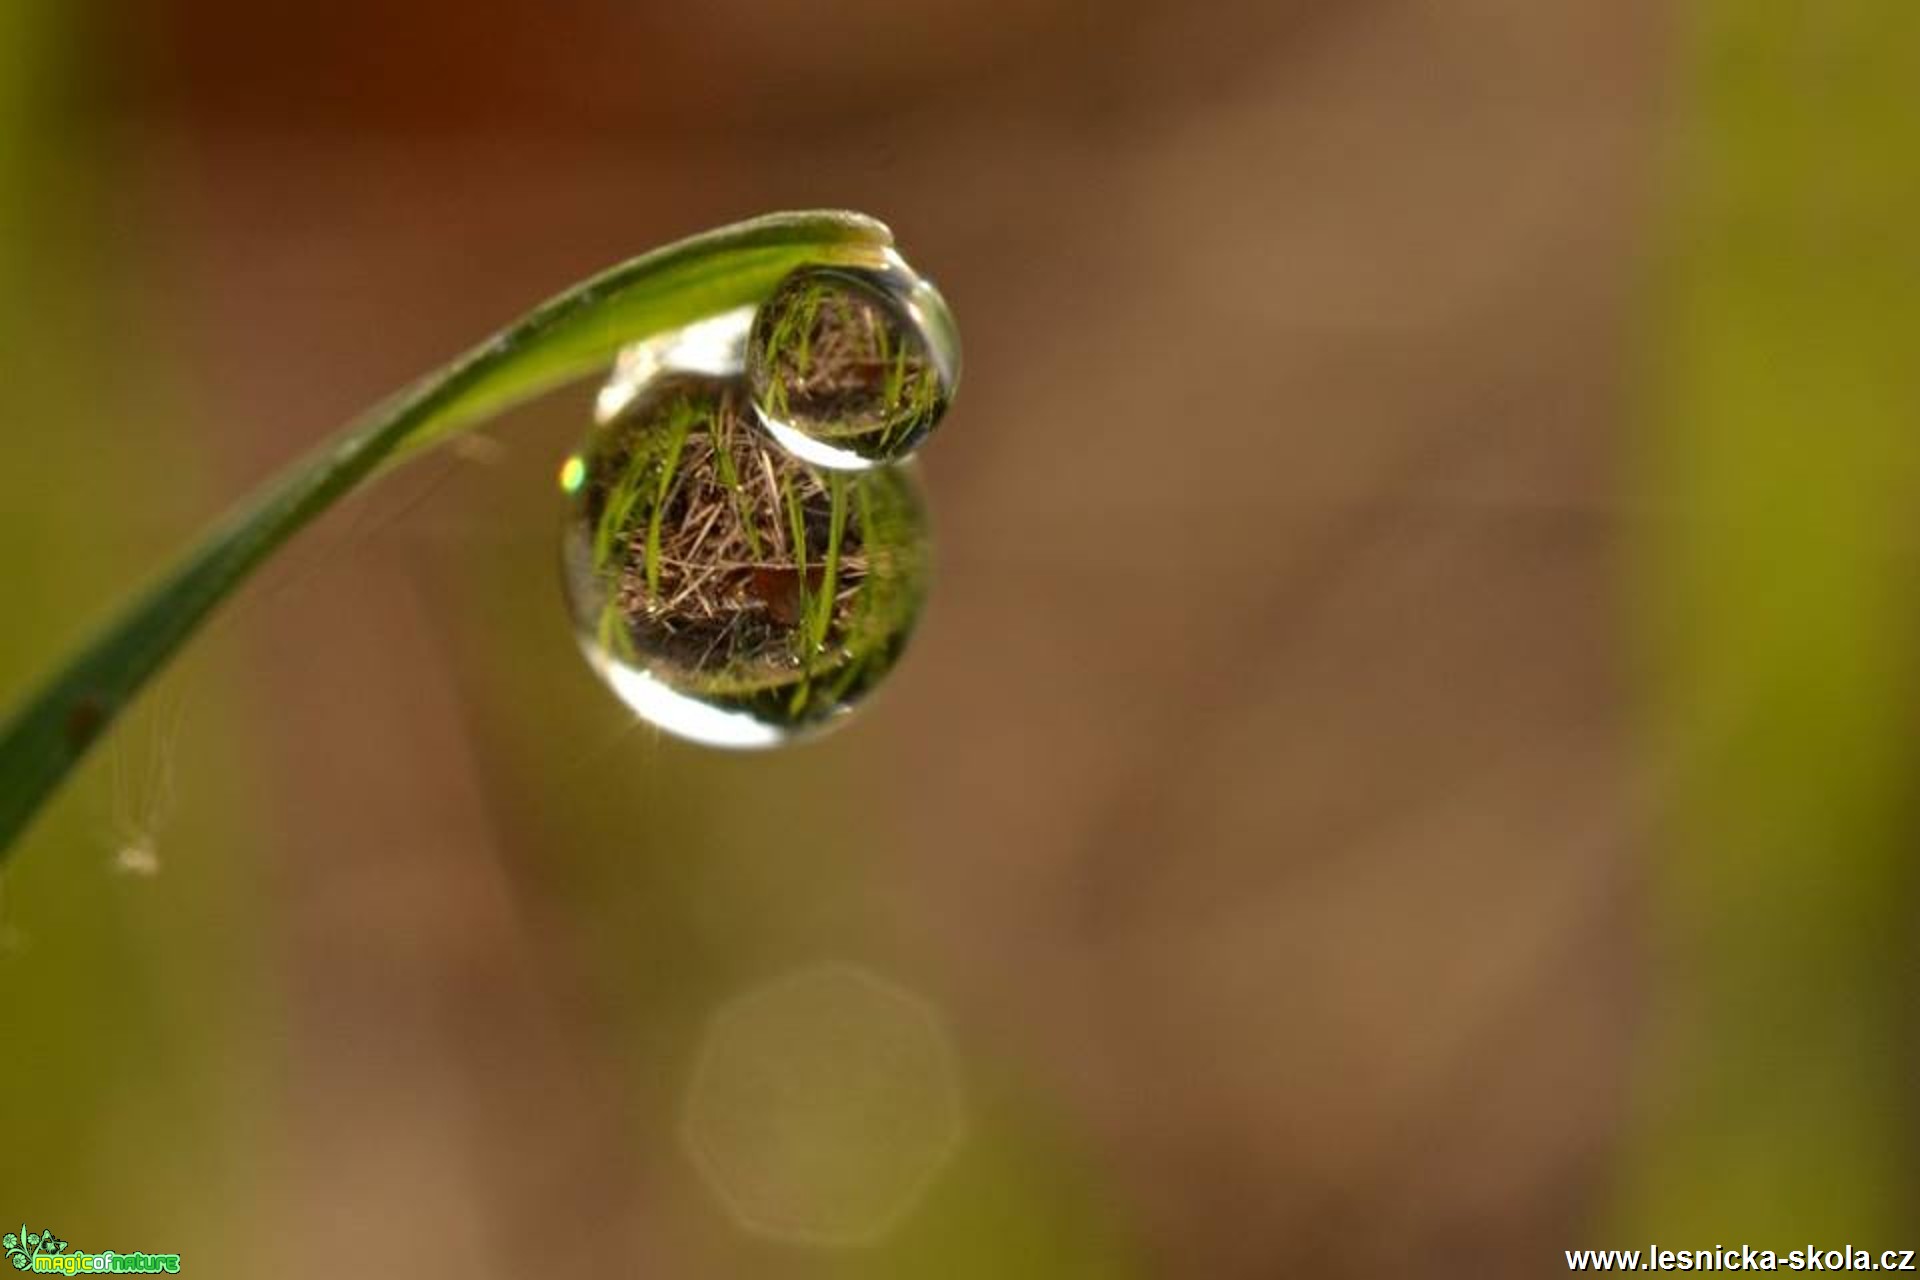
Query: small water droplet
point(850, 367)
point(728, 592)
point(138, 858)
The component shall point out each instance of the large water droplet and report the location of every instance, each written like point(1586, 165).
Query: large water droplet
point(728, 592)
point(852, 366)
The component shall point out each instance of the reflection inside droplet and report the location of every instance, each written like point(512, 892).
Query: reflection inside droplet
point(852, 366)
point(726, 591)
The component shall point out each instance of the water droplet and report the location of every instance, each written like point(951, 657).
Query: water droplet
point(852, 366)
point(728, 592)
point(138, 858)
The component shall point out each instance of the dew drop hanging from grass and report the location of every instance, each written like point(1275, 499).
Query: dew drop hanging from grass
point(690, 298)
point(850, 367)
point(730, 585)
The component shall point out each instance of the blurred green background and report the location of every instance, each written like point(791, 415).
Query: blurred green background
point(1407, 769)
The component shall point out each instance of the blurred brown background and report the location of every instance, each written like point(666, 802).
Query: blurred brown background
point(1259, 813)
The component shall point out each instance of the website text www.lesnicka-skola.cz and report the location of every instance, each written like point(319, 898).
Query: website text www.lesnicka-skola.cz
point(1809, 1259)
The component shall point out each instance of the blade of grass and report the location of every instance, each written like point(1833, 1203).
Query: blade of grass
point(830, 573)
point(568, 337)
point(617, 507)
point(730, 476)
point(683, 420)
point(797, 528)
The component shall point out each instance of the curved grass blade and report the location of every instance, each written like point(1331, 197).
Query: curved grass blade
point(570, 336)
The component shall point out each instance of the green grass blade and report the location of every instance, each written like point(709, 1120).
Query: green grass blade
point(573, 335)
point(683, 420)
point(830, 571)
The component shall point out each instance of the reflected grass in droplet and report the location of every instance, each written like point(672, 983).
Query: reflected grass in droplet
point(850, 367)
point(732, 574)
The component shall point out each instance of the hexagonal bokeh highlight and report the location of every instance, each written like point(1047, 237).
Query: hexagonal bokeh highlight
point(822, 1104)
